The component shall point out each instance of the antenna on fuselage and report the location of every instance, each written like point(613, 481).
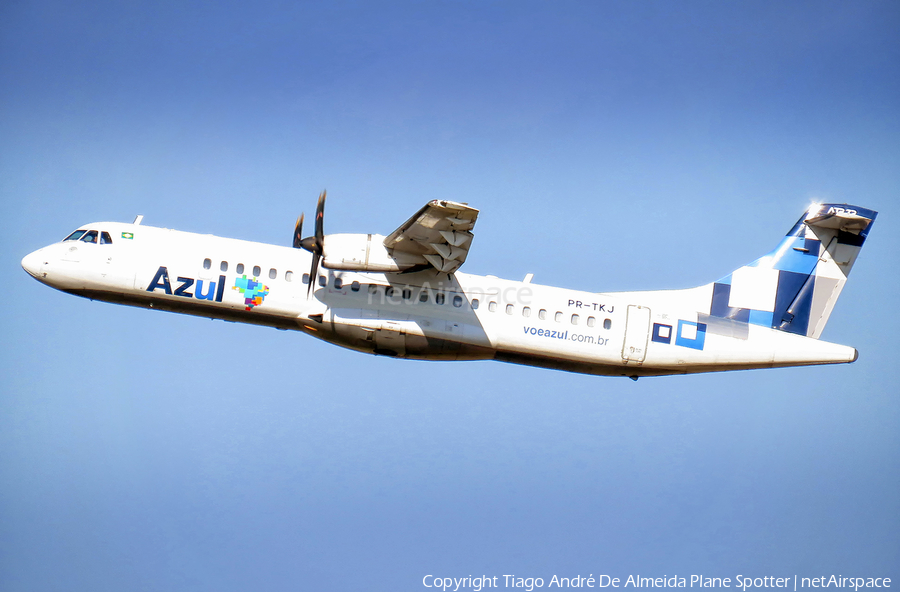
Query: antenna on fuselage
point(138, 219)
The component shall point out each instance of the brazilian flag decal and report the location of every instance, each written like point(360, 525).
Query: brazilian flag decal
point(128, 235)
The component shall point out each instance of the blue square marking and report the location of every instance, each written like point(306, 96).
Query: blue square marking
point(695, 343)
point(662, 333)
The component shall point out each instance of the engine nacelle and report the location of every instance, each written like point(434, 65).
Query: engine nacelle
point(363, 252)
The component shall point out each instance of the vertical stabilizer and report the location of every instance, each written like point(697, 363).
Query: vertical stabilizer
point(794, 288)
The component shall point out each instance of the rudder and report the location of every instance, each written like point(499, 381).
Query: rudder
point(794, 288)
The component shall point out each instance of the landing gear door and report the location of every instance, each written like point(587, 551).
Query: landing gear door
point(390, 340)
point(637, 330)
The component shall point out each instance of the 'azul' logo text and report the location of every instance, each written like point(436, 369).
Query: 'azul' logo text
point(214, 290)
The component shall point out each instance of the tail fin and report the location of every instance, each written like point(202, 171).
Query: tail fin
point(794, 288)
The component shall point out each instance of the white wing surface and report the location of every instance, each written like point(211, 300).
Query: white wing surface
point(439, 234)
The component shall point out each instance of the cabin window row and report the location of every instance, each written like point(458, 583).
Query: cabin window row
point(392, 292)
point(240, 268)
point(257, 270)
point(424, 295)
point(542, 314)
point(337, 284)
point(404, 293)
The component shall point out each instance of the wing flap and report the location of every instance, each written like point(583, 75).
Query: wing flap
point(439, 233)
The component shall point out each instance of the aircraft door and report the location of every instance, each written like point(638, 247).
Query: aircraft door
point(637, 330)
point(143, 275)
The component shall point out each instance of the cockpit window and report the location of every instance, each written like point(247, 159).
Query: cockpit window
point(105, 239)
point(75, 235)
point(90, 236)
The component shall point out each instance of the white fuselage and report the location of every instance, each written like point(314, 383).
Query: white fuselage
point(420, 315)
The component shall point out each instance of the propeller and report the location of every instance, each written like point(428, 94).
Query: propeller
point(314, 244)
point(298, 232)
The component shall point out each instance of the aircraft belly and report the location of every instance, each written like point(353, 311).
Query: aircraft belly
point(420, 338)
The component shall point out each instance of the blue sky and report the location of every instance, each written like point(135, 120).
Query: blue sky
point(609, 146)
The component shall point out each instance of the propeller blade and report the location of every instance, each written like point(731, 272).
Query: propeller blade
point(313, 274)
point(314, 244)
point(298, 232)
point(320, 221)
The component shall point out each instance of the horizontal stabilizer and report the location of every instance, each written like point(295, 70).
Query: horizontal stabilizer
point(837, 218)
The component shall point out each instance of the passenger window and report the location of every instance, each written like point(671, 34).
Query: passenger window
point(223, 266)
point(75, 235)
point(305, 278)
point(338, 283)
point(475, 304)
point(373, 289)
point(607, 324)
point(389, 292)
point(591, 321)
point(90, 237)
point(423, 295)
point(526, 311)
point(558, 317)
point(407, 293)
point(510, 308)
point(256, 271)
point(574, 319)
point(439, 298)
point(273, 273)
point(105, 239)
point(457, 301)
point(542, 314)
point(355, 286)
point(207, 264)
point(323, 281)
point(240, 268)
point(288, 276)
point(492, 306)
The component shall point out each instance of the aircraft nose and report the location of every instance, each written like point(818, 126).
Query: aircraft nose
point(32, 263)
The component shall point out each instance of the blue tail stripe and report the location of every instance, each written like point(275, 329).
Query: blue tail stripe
point(796, 259)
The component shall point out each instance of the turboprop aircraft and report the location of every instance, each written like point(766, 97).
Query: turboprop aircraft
point(403, 295)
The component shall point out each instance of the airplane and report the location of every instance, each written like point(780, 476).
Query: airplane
point(403, 295)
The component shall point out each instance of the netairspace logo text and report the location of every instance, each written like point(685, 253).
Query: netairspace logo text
point(740, 581)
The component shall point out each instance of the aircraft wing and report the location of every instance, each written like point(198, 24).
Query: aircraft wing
point(439, 234)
